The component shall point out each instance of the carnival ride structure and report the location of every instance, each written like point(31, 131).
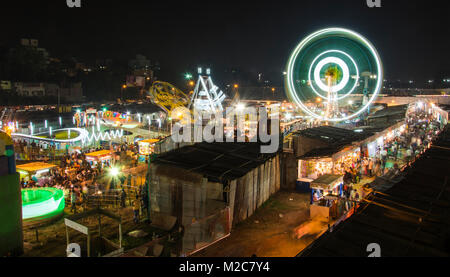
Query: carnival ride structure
point(167, 96)
point(206, 97)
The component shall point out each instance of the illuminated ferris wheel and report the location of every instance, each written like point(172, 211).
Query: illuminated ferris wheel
point(329, 69)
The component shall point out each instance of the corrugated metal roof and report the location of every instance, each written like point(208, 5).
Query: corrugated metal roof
point(217, 161)
point(334, 135)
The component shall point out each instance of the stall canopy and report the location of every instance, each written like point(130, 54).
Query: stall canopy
point(35, 167)
point(327, 182)
point(146, 146)
point(98, 154)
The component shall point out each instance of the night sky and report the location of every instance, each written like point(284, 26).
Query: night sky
point(412, 37)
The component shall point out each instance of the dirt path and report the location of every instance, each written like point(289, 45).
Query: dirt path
point(271, 231)
point(52, 238)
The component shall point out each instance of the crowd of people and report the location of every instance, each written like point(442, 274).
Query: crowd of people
point(399, 150)
point(81, 180)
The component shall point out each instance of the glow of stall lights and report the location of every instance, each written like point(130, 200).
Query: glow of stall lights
point(39, 172)
point(240, 107)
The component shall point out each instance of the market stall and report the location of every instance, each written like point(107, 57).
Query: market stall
point(35, 170)
point(314, 168)
point(146, 147)
point(101, 158)
point(325, 192)
point(345, 158)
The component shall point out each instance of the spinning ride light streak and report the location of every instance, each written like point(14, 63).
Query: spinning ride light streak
point(329, 64)
point(82, 133)
point(42, 203)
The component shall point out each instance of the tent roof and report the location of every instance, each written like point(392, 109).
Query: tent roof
point(217, 161)
point(99, 153)
point(35, 166)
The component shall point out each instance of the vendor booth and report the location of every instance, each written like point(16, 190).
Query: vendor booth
point(36, 170)
point(146, 147)
point(101, 158)
point(325, 193)
point(313, 168)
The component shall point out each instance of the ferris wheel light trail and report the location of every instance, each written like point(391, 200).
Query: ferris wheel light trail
point(295, 93)
point(326, 61)
point(325, 88)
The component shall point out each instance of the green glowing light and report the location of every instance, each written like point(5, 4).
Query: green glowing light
point(42, 203)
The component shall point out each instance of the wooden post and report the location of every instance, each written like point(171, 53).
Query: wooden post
point(89, 244)
point(67, 235)
point(120, 235)
point(99, 225)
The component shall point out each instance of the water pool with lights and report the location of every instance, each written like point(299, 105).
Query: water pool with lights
point(42, 203)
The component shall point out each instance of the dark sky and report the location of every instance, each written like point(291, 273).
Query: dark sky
point(412, 37)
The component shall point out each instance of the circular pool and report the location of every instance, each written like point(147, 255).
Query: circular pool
point(42, 203)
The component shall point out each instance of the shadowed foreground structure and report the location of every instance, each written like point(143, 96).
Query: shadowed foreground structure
point(409, 219)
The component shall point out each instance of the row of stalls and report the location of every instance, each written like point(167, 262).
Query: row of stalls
point(334, 160)
point(323, 154)
point(104, 157)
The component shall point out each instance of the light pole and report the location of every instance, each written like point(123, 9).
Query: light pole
point(121, 91)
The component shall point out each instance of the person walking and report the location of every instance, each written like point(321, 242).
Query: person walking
point(136, 208)
point(123, 197)
point(73, 201)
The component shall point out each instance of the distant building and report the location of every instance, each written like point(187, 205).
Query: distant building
point(5, 85)
point(103, 64)
point(29, 89)
point(72, 92)
point(34, 43)
point(141, 66)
